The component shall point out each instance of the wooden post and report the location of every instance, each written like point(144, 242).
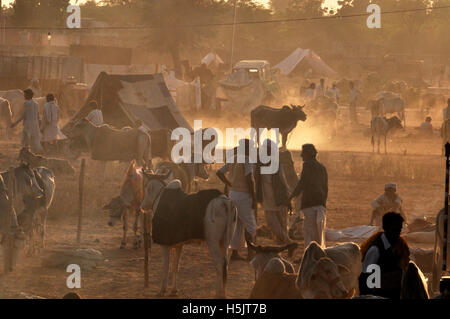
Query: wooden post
point(80, 202)
point(445, 217)
point(10, 235)
point(146, 247)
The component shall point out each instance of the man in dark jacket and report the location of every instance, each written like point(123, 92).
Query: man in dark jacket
point(313, 186)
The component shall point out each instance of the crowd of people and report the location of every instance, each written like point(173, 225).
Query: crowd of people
point(248, 187)
point(42, 134)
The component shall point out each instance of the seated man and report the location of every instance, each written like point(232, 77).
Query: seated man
point(96, 115)
point(391, 253)
point(426, 128)
point(387, 202)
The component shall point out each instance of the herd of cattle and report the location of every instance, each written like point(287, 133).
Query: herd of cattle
point(165, 193)
point(324, 273)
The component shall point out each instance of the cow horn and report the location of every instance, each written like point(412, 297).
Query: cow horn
point(156, 176)
point(273, 249)
point(252, 246)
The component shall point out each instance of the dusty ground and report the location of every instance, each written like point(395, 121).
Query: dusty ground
point(356, 177)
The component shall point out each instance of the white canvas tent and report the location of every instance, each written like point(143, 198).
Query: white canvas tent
point(212, 60)
point(92, 71)
point(306, 59)
point(124, 98)
point(186, 94)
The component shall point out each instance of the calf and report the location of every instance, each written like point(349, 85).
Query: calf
point(129, 201)
point(330, 273)
point(58, 166)
point(275, 283)
point(381, 126)
point(270, 255)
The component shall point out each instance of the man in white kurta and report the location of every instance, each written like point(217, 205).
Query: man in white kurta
point(50, 118)
point(96, 115)
point(31, 135)
point(333, 93)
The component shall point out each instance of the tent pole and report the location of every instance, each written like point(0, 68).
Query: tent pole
point(233, 36)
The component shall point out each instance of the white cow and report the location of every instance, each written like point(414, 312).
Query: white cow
point(16, 100)
point(386, 102)
point(330, 273)
point(219, 224)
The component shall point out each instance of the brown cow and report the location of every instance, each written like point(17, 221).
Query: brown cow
point(285, 119)
point(130, 199)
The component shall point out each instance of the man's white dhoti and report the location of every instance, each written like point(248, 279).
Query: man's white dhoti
point(314, 225)
point(245, 219)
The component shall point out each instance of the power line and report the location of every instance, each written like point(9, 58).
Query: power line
point(230, 23)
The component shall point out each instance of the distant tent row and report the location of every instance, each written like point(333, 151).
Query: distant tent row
point(126, 98)
point(301, 61)
point(92, 71)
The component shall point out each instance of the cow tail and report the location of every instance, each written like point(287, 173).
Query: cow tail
point(231, 211)
point(148, 153)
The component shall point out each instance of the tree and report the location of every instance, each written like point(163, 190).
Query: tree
point(167, 16)
point(43, 13)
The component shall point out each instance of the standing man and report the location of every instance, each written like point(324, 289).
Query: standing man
point(320, 90)
point(313, 186)
point(243, 195)
point(50, 117)
point(206, 77)
point(272, 192)
point(446, 112)
point(354, 95)
point(388, 251)
point(333, 93)
point(31, 135)
point(309, 93)
point(96, 115)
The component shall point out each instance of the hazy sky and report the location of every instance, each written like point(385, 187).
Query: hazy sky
point(331, 3)
point(8, 2)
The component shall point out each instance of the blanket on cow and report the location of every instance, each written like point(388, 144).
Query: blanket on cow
point(275, 286)
point(115, 145)
point(179, 216)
